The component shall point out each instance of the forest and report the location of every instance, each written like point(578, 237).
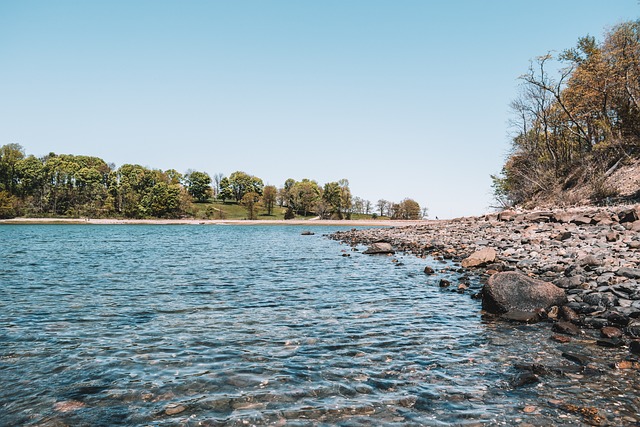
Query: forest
point(575, 121)
point(65, 185)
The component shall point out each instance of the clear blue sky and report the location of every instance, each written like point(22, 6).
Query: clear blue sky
point(403, 98)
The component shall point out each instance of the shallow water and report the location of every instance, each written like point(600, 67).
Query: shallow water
point(232, 325)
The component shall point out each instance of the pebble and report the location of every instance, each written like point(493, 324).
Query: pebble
point(174, 409)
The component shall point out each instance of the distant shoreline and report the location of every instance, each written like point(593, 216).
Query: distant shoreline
point(310, 223)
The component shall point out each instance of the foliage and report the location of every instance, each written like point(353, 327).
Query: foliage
point(586, 117)
point(76, 185)
point(199, 185)
point(251, 202)
point(269, 198)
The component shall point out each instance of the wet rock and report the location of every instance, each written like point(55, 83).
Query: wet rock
point(379, 248)
point(610, 342)
point(444, 283)
point(627, 364)
point(521, 316)
point(68, 406)
point(174, 409)
point(590, 415)
point(634, 346)
point(569, 314)
point(307, 233)
point(480, 258)
point(511, 290)
point(429, 270)
point(524, 378)
point(566, 328)
point(611, 332)
point(561, 338)
point(580, 359)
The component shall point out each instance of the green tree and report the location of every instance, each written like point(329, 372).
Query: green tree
point(7, 205)
point(304, 195)
point(242, 183)
point(10, 156)
point(226, 191)
point(251, 202)
point(199, 185)
point(269, 198)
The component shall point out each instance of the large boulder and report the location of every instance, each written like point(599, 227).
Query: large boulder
point(482, 257)
point(379, 248)
point(511, 291)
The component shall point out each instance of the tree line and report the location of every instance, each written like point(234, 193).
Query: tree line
point(577, 119)
point(85, 186)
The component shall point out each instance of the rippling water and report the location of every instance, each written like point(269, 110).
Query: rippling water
point(236, 325)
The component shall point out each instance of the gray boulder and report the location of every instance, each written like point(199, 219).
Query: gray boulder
point(513, 291)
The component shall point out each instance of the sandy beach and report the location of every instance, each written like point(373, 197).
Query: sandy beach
point(310, 223)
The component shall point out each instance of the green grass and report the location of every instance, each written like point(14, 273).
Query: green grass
point(234, 211)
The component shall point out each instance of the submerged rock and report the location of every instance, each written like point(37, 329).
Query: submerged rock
point(513, 291)
point(379, 248)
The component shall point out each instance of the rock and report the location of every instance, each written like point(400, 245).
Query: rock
point(563, 217)
point(429, 270)
point(627, 215)
point(174, 409)
point(68, 406)
point(611, 236)
point(444, 283)
point(631, 273)
point(618, 319)
point(590, 261)
point(609, 342)
point(521, 316)
point(634, 347)
point(566, 328)
point(634, 244)
point(307, 233)
point(611, 332)
point(507, 215)
point(580, 359)
point(569, 314)
point(480, 258)
point(561, 338)
point(524, 378)
point(582, 220)
point(511, 290)
point(627, 364)
point(564, 235)
point(539, 216)
point(379, 248)
point(601, 299)
point(568, 282)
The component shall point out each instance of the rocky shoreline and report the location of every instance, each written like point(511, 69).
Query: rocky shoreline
point(591, 253)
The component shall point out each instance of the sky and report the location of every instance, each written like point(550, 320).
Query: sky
point(402, 98)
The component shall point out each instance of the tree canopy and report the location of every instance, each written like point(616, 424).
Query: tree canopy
point(76, 185)
point(576, 124)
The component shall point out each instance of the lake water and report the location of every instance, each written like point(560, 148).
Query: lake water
point(258, 325)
